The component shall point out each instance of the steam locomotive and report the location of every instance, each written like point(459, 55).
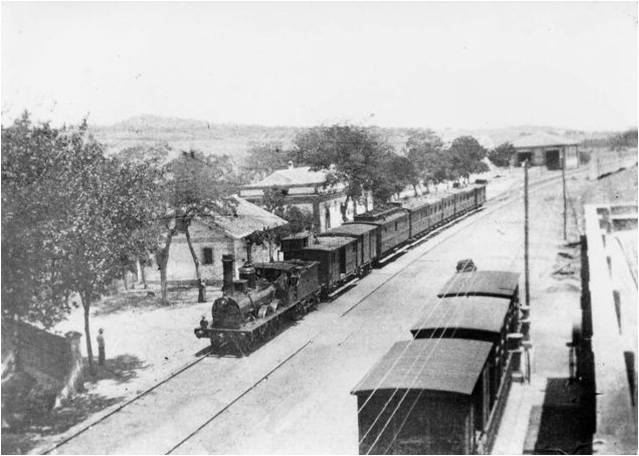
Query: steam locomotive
point(253, 308)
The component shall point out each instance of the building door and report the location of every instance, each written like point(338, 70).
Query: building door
point(553, 160)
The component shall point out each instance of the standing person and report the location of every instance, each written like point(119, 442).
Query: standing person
point(101, 355)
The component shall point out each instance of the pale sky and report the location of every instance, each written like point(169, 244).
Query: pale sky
point(461, 65)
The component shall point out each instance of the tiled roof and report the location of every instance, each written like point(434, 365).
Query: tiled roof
point(481, 283)
point(290, 177)
point(542, 140)
point(479, 313)
point(249, 218)
point(451, 365)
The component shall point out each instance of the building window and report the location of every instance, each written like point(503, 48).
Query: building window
point(207, 254)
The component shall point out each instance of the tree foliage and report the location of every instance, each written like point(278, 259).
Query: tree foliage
point(501, 155)
point(425, 150)
point(353, 155)
point(70, 217)
point(264, 158)
point(465, 155)
point(197, 186)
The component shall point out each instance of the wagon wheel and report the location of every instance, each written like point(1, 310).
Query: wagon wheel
point(275, 324)
point(237, 343)
point(262, 332)
point(300, 309)
point(270, 330)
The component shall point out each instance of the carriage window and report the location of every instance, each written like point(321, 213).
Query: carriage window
point(207, 255)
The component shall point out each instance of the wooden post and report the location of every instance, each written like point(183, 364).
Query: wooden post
point(526, 240)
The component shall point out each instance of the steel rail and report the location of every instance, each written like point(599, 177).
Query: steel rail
point(503, 199)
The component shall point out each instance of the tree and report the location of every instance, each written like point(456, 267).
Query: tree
point(424, 150)
point(466, 156)
point(35, 205)
point(399, 173)
point(298, 219)
point(352, 155)
point(264, 158)
point(157, 153)
point(80, 213)
point(274, 200)
point(501, 155)
point(198, 186)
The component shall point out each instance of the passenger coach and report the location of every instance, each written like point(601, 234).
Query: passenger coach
point(444, 391)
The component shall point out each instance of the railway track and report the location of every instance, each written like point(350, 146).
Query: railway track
point(439, 236)
point(448, 234)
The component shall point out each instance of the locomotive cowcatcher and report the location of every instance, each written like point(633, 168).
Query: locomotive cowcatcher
point(253, 308)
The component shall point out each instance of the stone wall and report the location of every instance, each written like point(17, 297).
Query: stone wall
point(50, 358)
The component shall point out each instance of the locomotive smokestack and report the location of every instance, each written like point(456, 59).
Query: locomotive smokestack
point(228, 266)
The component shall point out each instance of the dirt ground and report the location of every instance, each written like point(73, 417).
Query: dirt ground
point(145, 341)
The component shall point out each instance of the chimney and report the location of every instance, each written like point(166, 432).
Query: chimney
point(228, 266)
point(290, 164)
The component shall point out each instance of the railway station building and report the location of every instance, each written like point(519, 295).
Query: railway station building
point(213, 237)
point(544, 149)
point(309, 191)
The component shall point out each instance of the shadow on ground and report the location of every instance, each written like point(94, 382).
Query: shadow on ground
point(565, 425)
point(144, 300)
point(121, 369)
point(32, 424)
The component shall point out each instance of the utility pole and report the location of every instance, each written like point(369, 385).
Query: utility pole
point(563, 180)
point(526, 241)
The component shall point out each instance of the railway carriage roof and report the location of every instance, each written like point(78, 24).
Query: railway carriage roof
point(351, 228)
point(285, 265)
point(329, 243)
point(481, 313)
point(433, 198)
point(448, 365)
point(383, 217)
point(300, 235)
point(481, 283)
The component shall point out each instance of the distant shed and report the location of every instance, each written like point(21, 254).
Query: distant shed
point(546, 149)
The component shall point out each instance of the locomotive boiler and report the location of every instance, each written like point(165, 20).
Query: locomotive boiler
point(253, 308)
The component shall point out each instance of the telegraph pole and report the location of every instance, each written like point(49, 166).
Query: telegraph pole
point(563, 180)
point(526, 240)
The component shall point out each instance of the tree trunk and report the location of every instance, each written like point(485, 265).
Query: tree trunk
point(86, 304)
point(201, 287)
point(344, 208)
point(123, 268)
point(143, 276)
point(162, 258)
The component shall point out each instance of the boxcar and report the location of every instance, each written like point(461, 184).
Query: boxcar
point(394, 227)
point(337, 257)
point(366, 236)
point(425, 396)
